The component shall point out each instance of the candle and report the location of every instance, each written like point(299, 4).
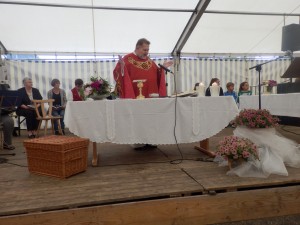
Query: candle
point(201, 89)
point(214, 89)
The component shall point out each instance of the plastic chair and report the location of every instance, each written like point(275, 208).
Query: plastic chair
point(45, 115)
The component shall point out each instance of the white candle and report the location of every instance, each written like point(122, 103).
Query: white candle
point(201, 89)
point(214, 89)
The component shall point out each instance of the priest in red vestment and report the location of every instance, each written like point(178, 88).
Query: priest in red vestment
point(138, 66)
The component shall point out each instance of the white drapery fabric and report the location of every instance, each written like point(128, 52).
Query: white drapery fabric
point(189, 72)
point(275, 152)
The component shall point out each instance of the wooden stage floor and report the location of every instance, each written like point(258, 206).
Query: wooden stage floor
point(125, 175)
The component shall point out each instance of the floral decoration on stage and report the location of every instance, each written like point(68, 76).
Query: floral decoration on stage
point(98, 88)
point(235, 148)
point(270, 83)
point(256, 118)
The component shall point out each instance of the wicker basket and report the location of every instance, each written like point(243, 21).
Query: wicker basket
point(57, 156)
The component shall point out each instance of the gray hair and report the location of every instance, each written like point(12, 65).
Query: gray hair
point(54, 81)
point(142, 41)
point(26, 79)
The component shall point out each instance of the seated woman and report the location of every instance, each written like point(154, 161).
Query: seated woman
point(217, 81)
point(26, 108)
point(8, 128)
point(59, 104)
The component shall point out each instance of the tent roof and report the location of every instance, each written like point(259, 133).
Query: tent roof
point(72, 28)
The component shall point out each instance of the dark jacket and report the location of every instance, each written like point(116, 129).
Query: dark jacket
point(24, 99)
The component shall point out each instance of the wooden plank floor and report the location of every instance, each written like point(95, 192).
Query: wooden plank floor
point(123, 175)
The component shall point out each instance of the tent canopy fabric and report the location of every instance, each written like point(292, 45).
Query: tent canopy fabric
point(77, 27)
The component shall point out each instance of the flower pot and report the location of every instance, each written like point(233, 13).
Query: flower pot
point(268, 90)
point(99, 97)
point(233, 163)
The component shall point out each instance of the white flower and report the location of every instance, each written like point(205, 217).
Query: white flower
point(88, 91)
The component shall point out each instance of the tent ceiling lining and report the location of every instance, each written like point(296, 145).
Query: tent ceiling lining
point(191, 29)
point(147, 9)
point(192, 23)
point(96, 7)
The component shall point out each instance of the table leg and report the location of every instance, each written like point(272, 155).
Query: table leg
point(204, 148)
point(95, 155)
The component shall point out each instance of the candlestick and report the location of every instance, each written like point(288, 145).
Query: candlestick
point(214, 89)
point(201, 89)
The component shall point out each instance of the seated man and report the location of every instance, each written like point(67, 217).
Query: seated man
point(8, 126)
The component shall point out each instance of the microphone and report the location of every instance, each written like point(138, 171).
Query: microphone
point(165, 68)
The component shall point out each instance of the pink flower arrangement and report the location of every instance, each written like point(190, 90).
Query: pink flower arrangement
point(97, 87)
point(256, 118)
point(232, 147)
point(270, 83)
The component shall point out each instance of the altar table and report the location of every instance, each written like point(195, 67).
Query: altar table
point(277, 104)
point(149, 121)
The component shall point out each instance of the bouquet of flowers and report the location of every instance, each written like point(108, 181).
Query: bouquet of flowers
point(97, 88)
point(234, 148)
point(252, 118)
point(270, 83)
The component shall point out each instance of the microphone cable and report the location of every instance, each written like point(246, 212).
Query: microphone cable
point(176, 161)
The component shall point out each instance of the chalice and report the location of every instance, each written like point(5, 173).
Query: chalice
point(140, 85)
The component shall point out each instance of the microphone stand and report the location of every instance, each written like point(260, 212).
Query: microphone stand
point(258, 68)
point(166, 73)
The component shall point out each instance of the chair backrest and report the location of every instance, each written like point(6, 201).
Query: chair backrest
point(43, 113)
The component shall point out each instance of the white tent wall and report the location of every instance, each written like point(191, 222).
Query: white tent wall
point(234, 70)
point(190, 71)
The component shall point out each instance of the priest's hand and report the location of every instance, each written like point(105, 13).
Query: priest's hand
point(168, 63)
point(122, 64)
point(121, 61)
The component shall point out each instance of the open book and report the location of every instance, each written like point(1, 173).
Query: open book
point(31, 106)
point(58, 107)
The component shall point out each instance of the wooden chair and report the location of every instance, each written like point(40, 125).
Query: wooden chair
point(45, 115)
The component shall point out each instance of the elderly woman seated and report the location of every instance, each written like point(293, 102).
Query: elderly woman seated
point(26, 108)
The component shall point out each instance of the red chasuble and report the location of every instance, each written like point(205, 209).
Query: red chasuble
point(139, 69)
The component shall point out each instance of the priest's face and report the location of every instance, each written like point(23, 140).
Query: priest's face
point(142, 51)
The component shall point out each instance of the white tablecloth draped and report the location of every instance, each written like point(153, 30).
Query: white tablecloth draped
point(151, 121)
point(277, 104)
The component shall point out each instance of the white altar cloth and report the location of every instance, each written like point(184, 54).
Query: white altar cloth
point(277, 104)
point(151, 121)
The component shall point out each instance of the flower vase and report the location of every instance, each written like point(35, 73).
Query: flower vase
point(233, 163)
point(268, 90)
point(99, 97)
